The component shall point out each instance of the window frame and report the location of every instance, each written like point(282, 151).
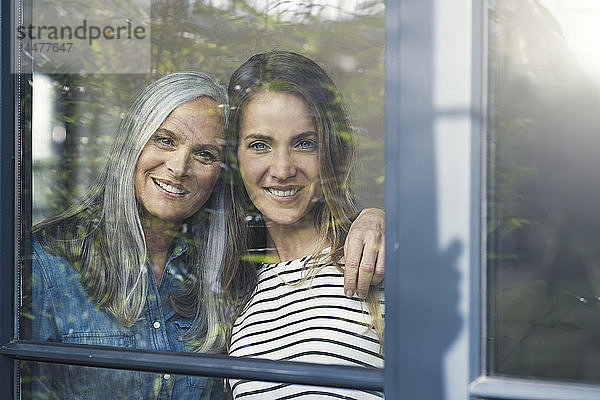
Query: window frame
point(7, 179)
point(403, 36)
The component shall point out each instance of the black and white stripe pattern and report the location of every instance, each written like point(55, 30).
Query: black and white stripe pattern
point(310, 321)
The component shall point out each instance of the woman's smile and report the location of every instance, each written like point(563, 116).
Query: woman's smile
point(284, 194)
point(170, 188)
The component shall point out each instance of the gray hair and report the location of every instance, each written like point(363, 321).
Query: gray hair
point(107, 225)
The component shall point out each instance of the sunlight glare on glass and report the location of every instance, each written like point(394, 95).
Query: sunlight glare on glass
point(580, 24)
point(43, 101)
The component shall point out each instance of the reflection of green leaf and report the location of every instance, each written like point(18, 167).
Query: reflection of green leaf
point(346, 136)
point(260, 258)
point(517, 222)
point(27, 315)
point(512, 224)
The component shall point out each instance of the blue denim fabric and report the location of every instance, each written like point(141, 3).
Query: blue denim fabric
point(63, 312)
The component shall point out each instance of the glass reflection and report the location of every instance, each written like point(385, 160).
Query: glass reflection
point(543, 190)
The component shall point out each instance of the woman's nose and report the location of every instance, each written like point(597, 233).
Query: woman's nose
point(283, 166)
point(177, 162)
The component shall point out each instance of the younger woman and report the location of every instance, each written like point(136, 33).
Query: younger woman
point(295, 148)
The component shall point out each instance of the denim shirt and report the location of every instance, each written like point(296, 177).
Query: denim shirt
point(63, 312)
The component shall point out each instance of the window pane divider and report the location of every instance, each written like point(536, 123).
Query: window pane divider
point(198, 364)
point(529, 389)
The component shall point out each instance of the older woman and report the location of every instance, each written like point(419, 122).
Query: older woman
point(125, 265)
point(295, 149)
point(135, 264)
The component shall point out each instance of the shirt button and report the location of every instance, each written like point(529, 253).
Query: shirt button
point(156, 324)
point(166, 377)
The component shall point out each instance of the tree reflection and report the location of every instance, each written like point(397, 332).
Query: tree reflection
point(215, 37)
point(542, 194)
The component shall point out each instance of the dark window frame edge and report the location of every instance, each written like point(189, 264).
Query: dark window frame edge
point(214, 365)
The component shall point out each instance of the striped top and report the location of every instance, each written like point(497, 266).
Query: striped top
point(310, 321)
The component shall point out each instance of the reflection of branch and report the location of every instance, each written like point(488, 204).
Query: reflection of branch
point(266, 16)
point(534, 324)
point(277, 4)
point(589, 302)
point(592, 271)
point(548, 19)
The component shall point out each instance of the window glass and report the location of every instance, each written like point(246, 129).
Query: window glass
point(145, 385)
point(88, 269)
point(542, 190)
point(56, 381)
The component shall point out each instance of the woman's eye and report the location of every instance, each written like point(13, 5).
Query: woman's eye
point(258, 146)
point(206, 156)
point(307, 144)
point(163, 140)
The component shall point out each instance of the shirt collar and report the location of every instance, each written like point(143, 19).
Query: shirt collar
point(174, 275)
